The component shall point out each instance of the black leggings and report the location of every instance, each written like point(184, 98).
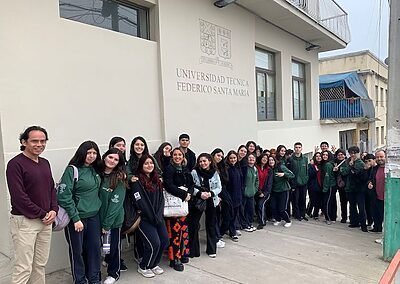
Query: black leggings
point(279, 201)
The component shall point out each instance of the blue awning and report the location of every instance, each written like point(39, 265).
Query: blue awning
point(352, 82)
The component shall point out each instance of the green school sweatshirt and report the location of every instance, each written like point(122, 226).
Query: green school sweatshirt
point(251, 182)
point(80, 199)
point(281, 184)
point(329, 178)
point(112, 201)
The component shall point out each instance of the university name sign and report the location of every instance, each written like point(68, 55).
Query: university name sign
point(192, 81)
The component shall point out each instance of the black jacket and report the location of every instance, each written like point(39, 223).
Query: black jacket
point(266, 190)
point(152, 208)
point(190, 159)
point(174, 178)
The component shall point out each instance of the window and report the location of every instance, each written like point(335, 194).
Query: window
point(265, 85)
point(377, 136)
point(298, 91)
point(120, 16)
point(383, 134)
point(382, 100)
point(376, 95)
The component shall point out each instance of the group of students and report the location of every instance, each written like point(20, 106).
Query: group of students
point(230, 190)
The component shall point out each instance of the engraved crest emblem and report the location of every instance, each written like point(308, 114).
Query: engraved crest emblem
point(224, 42)
point(207, 37)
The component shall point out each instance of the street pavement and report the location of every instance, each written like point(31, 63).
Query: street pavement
point(307, 252)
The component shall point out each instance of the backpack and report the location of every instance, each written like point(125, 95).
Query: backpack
point(131, 216)
point(62, 218)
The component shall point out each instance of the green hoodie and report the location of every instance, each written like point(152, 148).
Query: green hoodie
point(112, 201)
point(299, 166)
point(329, 179)
point(251, 182)
point(281, 184)
point(353, 174)
point(80, 199)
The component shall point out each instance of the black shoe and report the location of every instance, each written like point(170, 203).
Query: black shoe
point(185, 259)
point(343, 221)
point(299, 219)
point(364, 229)
point(176, 264)
point(354, 226)
point(260, 227)
point(374, 230)
point(123, 267)
point(305, 218)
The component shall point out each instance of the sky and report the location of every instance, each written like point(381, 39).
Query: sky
point(363, 17)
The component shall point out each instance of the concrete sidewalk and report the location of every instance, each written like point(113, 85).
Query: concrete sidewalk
point(307, 252)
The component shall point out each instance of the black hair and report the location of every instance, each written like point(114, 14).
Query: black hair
point(79, 158)
point(298, 143)
point(314, 158)
point(248, 144)
point(232, 152)
point(153, 179)
point(354, 149)
point(213, 166)
point(340, 151)
point(118, 173)
point(159, 154)
point(217, 150)
point(260, 158)
point(324, 143)
point(278, 151)
point(25, 135)
point(133, 158)
point(115, 140)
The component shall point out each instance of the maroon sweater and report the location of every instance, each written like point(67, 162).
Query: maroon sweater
point(31, 187)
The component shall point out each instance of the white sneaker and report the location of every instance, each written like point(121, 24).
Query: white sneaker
point(287, 225)
point(146, 272)
point(110, 280)
point(276, 223)
point(249, 230)
point(379, 241)
point(220, 244)
point(212, 255)
point(157, 270)
point(253, 229)
point(238, 233)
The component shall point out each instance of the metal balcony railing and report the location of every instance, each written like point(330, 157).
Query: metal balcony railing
point(328, 14)
point(343, 108)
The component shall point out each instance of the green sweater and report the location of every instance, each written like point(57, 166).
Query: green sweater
point(329, 179)
point(80, 199)
point(251, 182)
point(112, 201)
point(299, 166)
point(353, 175)
point(281, 184)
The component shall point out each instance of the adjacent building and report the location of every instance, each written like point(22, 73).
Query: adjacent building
point(364, 103)
point(223, 71)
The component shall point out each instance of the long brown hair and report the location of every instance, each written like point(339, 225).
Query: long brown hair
point(151, 182)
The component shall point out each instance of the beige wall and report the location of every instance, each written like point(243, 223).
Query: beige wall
point(78, 81)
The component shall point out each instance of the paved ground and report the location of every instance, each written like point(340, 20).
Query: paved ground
point(308, 252)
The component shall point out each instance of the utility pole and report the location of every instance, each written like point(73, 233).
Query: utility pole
point(391, 242)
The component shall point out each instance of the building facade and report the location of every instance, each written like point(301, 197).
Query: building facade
point(369, 135)
point(94, 69)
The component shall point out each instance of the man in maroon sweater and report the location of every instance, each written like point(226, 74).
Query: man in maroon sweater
point(33, 207)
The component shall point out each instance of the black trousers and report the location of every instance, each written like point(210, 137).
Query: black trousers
point(357, 208)
point(279, 201)
point(232, 222)
point(155, 240)
point(248, 207)
point(315, 204)
point(261, 210)
point(194, 227)
point(343, 203)
point(114, 257)
point(378, 214)
point(370, 196)
point(224, 217)
point(84, 250)
point(299, 201)
point(329, 204)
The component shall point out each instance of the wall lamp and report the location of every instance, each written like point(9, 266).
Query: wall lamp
point(223, 3)
point(311, 46)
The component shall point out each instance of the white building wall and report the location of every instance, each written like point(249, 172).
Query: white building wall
point(82, 82)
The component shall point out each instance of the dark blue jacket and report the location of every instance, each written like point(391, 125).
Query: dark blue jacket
point(312, 183)
point(235, 185)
